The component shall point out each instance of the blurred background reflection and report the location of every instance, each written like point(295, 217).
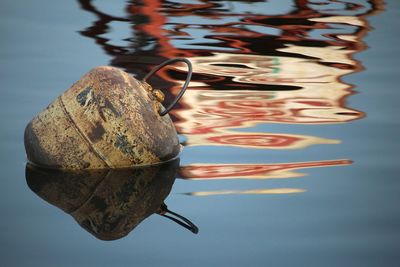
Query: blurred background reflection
point(255, 63)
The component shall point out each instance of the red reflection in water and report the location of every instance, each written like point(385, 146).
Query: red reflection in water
point(256, 140)
point(252, 171)
point(252, 64)
point(206, 111)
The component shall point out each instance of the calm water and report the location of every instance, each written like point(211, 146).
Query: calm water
point(290, 128)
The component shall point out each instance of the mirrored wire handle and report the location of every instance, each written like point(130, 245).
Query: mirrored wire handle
point(185, 85)
point(179, 219)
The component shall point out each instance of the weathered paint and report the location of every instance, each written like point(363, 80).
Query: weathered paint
point(107, 119)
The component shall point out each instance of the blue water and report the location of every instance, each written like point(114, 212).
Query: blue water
point(343, 214)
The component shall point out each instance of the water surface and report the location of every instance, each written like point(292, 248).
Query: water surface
point(289, 127)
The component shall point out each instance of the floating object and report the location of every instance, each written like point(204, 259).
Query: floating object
point(107, 119)
point(109, 203)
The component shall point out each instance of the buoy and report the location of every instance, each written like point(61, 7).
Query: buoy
point(107, 119)
point(109, 203)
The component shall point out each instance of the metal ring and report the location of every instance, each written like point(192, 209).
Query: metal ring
point(185, 85)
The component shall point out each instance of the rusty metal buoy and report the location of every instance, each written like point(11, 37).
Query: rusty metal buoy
point(107, 119)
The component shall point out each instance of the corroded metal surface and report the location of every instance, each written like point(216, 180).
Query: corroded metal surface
point(107, 203)
point(107, 119)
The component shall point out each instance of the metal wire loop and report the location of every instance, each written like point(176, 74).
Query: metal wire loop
point(185, 85)
point(179, 219)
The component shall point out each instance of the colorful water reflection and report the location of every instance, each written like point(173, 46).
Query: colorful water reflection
point(255, 140)
point(253, 171)
point(255, 62)
point(271, 191)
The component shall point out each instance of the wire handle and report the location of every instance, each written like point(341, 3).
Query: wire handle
point(179, 219)
point(185, 85)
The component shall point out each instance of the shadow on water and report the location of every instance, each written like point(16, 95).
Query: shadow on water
point(109, 203)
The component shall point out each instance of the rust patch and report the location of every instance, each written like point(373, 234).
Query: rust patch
point(82, 97)
point(110, 75)
point(101, 113)
point(97, 132)
point(123, 145)
point(105, 107)
point(84, 138)
point(107, 104)
point(158, 95)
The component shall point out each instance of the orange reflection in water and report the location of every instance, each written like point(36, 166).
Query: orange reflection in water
point(253, 171)
point(250, 67)
point(295, 58)
point(255, 140)
point(204, 111)
point(264, 191)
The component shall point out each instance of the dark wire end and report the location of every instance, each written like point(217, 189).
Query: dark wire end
point(185, 222)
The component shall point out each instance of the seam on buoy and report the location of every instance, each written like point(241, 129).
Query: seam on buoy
point(85, 138)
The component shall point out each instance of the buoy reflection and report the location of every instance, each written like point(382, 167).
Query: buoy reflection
point(109, 203)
